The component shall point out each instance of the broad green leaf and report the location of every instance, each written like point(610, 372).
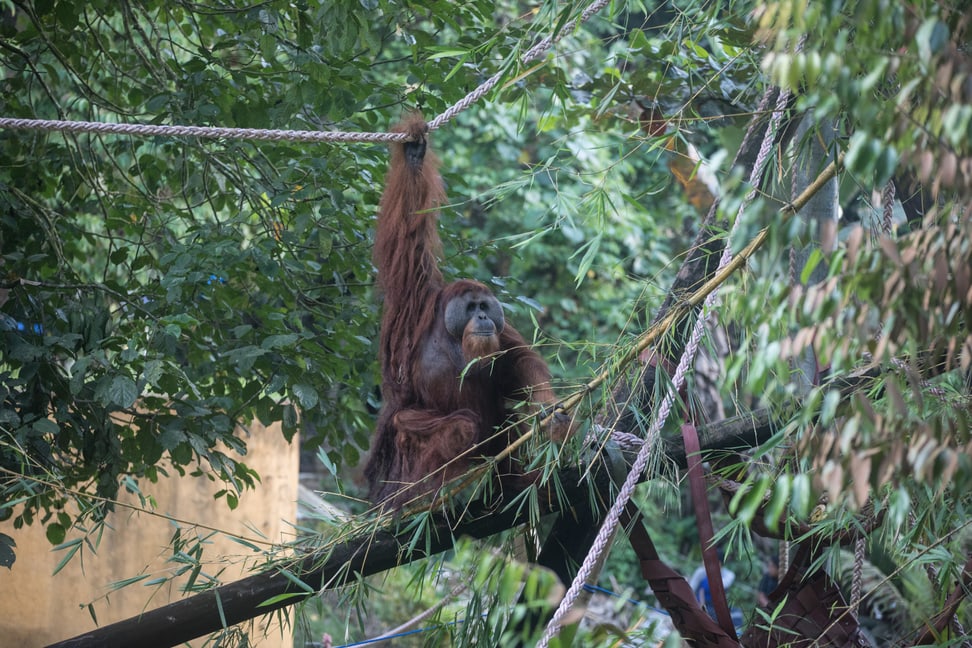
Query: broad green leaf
point(277, 341)
point(55, 533)
point(123, 391)
point(306, 395)
point(7, 554)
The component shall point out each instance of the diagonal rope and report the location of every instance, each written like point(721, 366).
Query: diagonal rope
point(532, 54)
point(275, 135)
point(606, 533)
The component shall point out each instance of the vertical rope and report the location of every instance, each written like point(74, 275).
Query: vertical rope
point(791, 272)
point(857, 582)
point(610, 524)
point(887, 203)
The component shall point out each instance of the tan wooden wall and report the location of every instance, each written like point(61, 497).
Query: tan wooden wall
point(37, 609)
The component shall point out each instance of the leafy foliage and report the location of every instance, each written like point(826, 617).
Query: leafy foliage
point(158, 294)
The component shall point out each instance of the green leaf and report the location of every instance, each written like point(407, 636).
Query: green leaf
point(325, 460)
point(306, 395)
point(241, 541)
point(55, 533)
point(241, 330)
point(72, 546)
point(753, 499)
point(816, 256)
point(859, 158)
point(45, 426)
point(182, 454)
point(931, 38)
point(7, 554)
point(446, 52)
point(152, 372)
point(801, 495)
point(293, 578)
point(219, 608)
point(119, 256)
point(273, 600)
point(590, 253)
point(638, 40)
point(78, 372)
point(123, 391)
point(829, 408)
point(509, 584)
point(778, 501)
point(67, 15)
point(276, 341)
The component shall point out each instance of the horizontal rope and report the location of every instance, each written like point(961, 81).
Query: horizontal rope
point(211, 132)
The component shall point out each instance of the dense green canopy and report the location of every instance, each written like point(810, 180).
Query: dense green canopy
point(158, 292)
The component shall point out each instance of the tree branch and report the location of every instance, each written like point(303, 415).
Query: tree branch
point(373, 552)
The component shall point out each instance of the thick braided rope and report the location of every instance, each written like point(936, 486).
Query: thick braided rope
point(606, 532)
point(887, 201)
point(466, 101)
point(533, 53)
point(543, 46)
point(857, 579)
point(199, 131)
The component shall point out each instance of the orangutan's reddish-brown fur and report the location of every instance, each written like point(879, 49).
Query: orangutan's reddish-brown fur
point(439, 400)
